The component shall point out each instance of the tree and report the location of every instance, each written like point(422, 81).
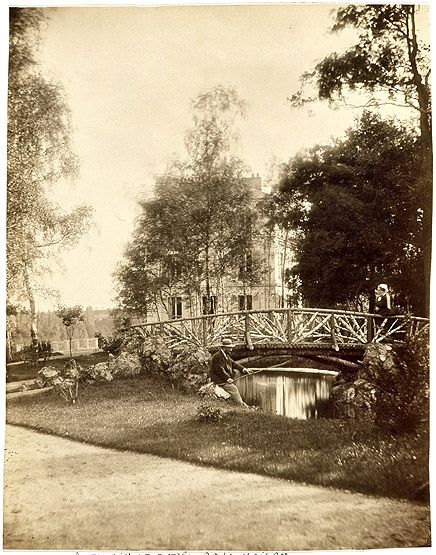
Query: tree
point(214, 186)
point(39, 155)
point(357, 214)
point(199, 226)
point(390, 62)
point(71, 317)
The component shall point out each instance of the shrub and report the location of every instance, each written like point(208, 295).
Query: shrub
point(207, 413)
point(113, 346)
point(45, 350)
point(101, 340)
point(30, 354)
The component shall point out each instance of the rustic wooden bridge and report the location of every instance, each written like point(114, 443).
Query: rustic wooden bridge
point(290, 329)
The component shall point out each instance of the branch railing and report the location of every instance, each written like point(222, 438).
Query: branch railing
point(286, 326)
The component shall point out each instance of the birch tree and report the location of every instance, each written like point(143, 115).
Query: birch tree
point(40, 154)
point(200, 225)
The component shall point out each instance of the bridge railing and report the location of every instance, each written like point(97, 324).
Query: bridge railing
point(287, 326)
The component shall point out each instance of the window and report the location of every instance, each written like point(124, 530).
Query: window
point(175, 307)
point(212, 305)
point(245, 302)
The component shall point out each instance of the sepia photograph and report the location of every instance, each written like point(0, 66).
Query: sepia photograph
point(217, 264)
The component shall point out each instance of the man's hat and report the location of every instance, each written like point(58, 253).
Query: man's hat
point(227, 343)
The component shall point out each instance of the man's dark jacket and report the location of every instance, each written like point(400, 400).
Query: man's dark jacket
point(222, 366)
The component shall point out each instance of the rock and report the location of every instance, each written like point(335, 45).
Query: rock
point(355, 397)
point(46, 376)
point(126, 364)
point(191, 364)
point(378, 358)
point(99, 371)
point(156, 355)
point(213, 391)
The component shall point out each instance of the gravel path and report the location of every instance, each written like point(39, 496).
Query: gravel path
point(61, 494)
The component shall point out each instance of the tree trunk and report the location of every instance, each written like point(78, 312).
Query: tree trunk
point(283, 267)
point(426, 181)
point(207, 278)
point(8, 346)
point(371, 294)
point(70, 333)
point(32, 305)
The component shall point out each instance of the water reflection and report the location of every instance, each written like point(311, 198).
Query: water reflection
point(294, 393)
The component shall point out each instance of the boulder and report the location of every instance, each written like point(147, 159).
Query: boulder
point(212, 390)
point(46, 376)
point(355, 396)
point(99, 372)
point(126, 364)
point(190, 366)
point(156, 355)
point(378, 358)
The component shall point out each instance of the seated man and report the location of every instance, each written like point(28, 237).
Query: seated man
point(222, 368)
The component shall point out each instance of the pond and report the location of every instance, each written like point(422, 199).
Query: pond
point(294, 392)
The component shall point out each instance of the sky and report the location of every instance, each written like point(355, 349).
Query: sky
point(130, 72)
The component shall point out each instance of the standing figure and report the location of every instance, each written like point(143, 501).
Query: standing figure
point(383, 300)
point(383, 307)
point(222, 371)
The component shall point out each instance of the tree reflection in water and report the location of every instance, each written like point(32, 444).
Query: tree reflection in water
point(296, 393)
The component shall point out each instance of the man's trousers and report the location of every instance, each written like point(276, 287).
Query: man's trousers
point(234, 393)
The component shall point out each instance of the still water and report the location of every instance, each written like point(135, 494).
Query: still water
point(295, 392)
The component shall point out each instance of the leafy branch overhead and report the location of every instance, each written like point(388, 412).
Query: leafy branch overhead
point(388, 57)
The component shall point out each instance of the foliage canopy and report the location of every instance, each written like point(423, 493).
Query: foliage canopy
point(390, 63)
point(357, 214)
point(199, 225)
point(39, 155)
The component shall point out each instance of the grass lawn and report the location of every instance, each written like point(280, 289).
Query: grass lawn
point(24, 371)
point(146, 415)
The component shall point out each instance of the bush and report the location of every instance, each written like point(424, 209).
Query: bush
point(101, 340)
point(207, 413)
point(113, 346)
point(45, 350)
point(33, 352)
point(402, 400)
point(30, 354)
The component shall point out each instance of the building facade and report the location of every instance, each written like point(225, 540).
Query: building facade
point(274, 257)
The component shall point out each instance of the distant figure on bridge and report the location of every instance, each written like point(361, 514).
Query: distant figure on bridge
point(222, 371)
point(383, 300)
